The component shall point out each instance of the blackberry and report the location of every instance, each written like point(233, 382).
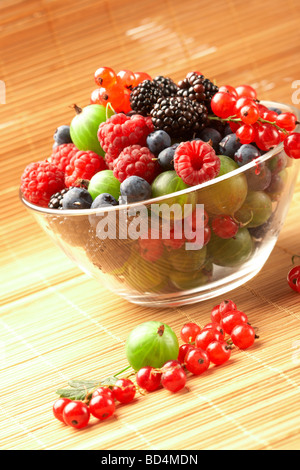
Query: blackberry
point(56, 199)
point(168, 85)
point(197, 88)
point(144, 96)
point(179, 116)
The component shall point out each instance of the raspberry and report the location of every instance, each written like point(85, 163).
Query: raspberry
point(83, 165)
point(62, 155)
point(40, 180)
point(196, 162)
point(135, 160)
point(120, 131)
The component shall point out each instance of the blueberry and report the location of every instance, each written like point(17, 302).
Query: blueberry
point(211, 134)
point(166, 157)
point(245, 154)
point(134, 189)
point(103, 200)
point(77, 198)
point(229, 145)
point(157, 141)
point(227, 130)
point(62, 135)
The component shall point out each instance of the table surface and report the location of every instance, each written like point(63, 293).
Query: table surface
point(58, 324)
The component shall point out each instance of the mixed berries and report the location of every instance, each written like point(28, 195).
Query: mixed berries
point(200, 349)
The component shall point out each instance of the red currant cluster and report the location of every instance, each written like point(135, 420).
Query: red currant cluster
point(254, 122)
point(101, 404)
point(293, 276)
point(116, 88)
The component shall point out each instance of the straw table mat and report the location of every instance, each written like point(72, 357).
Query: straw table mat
point(56, 323)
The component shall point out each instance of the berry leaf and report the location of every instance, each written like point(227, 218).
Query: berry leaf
point(83, 389)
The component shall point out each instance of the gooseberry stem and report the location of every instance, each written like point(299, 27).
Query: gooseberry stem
point(121, 371)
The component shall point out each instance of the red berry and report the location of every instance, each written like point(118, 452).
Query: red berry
point(173, 243)
point(124, 390)
point(286, 121)
point(83, 165)
point(216, 315)
point(215, 327)
point(62, 155)
point(102, 391)
point(229, 89)
point(58, 408)
point(268, 115)
point(183, 350)
point(207, 336)
point(292, 145)
point(173, 378)
point(232, 319)
point(102, 406)
point(218, 352)
point(148, 378)
point(249, 114)
point(224, 226)
point(197, 361)
point(245, 134)
point(243, 336)
point(120, 131)
point(293, 278)
point(138, 161)
point(189, 331)
point(126, 79)
point(196, 162)
point(150, 249)
point(227, 306)
point(40, 180)
point(241, 102)
point(76, 414)
point(246, 91)
point(266, 136)
point(223, 104)
point(140, 77)
point(105, 77)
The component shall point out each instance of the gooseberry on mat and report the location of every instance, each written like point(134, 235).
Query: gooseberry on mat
point(151, 343)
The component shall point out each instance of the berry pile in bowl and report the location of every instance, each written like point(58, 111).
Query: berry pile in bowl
point(167, 193)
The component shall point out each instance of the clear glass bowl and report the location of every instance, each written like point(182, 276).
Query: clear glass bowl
point(257, 195)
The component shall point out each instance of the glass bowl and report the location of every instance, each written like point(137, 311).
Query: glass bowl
point(170, 269)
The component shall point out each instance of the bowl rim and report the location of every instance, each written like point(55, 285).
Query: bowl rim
point(266, 156)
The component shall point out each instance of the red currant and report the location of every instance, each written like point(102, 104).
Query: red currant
point(215, 327)
point(224, 226)
point(151, 249)
point(173, 378)
point(76, 414)
point(218, 352)
point(246, 91)
point(268, 115)
point(216, 315)
point(241, 102)
point(292, 145)
point(189, 332)
point(229, 89)
point(249, 114)
point(105, 77)
point(124, 390)
point(140, 77)
point(266, 136)
point(286, 121)
point(243, 336)
point(148, 378)
point(183, 350)
point(232, 319)
point(227, 306)
point(223, 104)
point(293, 278)
point(58, 408)
point(102, 391)
point(245, 134)
point(102, 406)
point(126, 79)
point(197, 361)
point(207, 336)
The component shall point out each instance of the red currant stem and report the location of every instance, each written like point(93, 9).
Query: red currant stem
point(229, 342)
point(236, 119)
point(293, 258)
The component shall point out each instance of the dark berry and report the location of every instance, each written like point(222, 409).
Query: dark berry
point(134, 189)
point(158, 141)
point(276, 110)
point(62, 135)
point(245, 154)
point(166, 157)
point(229, 145)
point(211, 135)
point(103, 200)
point(77, 198)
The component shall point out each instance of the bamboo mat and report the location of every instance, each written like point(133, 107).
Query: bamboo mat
point(56, 323)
